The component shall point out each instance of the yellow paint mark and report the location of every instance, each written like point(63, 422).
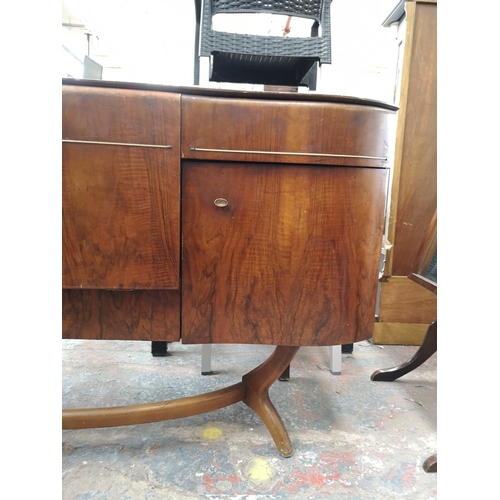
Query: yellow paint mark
point(212, 433)
point(261, 470)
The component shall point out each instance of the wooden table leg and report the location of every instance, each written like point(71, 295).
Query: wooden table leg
point(257, 383)
point(426, 350)
point(253, 390)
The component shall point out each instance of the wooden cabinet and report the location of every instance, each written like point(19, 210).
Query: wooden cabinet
point(405, 308)
point(288, 255)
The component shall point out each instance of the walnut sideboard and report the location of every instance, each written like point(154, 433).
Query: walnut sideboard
point(219, 217)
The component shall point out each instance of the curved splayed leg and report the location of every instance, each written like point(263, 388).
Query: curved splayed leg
point(257, 383)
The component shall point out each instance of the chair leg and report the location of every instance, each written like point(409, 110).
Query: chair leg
point(426, 350)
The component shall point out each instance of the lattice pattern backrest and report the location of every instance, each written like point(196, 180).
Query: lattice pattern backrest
point(302, 8)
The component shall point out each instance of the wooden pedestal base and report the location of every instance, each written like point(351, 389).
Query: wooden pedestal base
point(252, 390)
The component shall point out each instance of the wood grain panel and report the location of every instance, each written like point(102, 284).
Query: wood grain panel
point(121, 315)
point(293, 259)
point(120, 115)
point(416, 165)
point(399, 333)
point(121, 213)
point(121, 204)
point(305, 127)
point(403, 301)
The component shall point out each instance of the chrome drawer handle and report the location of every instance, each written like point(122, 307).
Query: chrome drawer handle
point(292, 153)
point(221, 202)
point(101, 143)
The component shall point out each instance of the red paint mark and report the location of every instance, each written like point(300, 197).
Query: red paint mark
point(209, 483)
point(408, 479)
point(380, 425)
point(330, 458)
point(321, 475)
point(312, 476)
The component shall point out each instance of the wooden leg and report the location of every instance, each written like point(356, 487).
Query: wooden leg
point(431, 464)
point(257, 383)
point(89, 418)
point(253, 390)
point(426, 350)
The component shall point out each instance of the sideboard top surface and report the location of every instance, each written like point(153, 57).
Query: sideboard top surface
point(210, 92)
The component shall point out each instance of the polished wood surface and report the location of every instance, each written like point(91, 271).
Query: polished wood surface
point(120, 218)
point(229, 93)
point(121, 315)
point(427, 249)
point(253, 390)
point(120, 203)
point(120, 115)
point(414, 186)
point(293, 258)
point(257, 383)
point(88, 418)
point(399, 333)
point(284, 126)
point(404, 301)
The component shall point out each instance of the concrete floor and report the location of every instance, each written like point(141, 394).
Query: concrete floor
point(353, 438)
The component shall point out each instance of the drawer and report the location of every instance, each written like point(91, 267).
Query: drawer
point(120, 115)
point(259, 130)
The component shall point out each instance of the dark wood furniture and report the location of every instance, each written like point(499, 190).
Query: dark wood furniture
point(220, 217)
point(406, 309)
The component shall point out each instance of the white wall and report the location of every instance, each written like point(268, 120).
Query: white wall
point(152, 41)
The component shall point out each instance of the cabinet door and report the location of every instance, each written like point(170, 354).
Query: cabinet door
point(120, 189)
point(293, 259)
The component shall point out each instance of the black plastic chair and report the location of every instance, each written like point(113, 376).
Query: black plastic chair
point(269, 60)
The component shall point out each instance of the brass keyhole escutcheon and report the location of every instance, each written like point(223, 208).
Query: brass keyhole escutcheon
point(221, 202)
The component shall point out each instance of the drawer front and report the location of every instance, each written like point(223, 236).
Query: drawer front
point(120, 115)
point(121, 315)
point(309, 133)
point(120, 193)
point(291, 259)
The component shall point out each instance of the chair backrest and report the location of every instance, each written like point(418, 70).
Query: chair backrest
point(317, 10)
point(272, 60)
point(310, 9)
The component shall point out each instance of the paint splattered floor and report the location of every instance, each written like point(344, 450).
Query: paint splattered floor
point(353, 438)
